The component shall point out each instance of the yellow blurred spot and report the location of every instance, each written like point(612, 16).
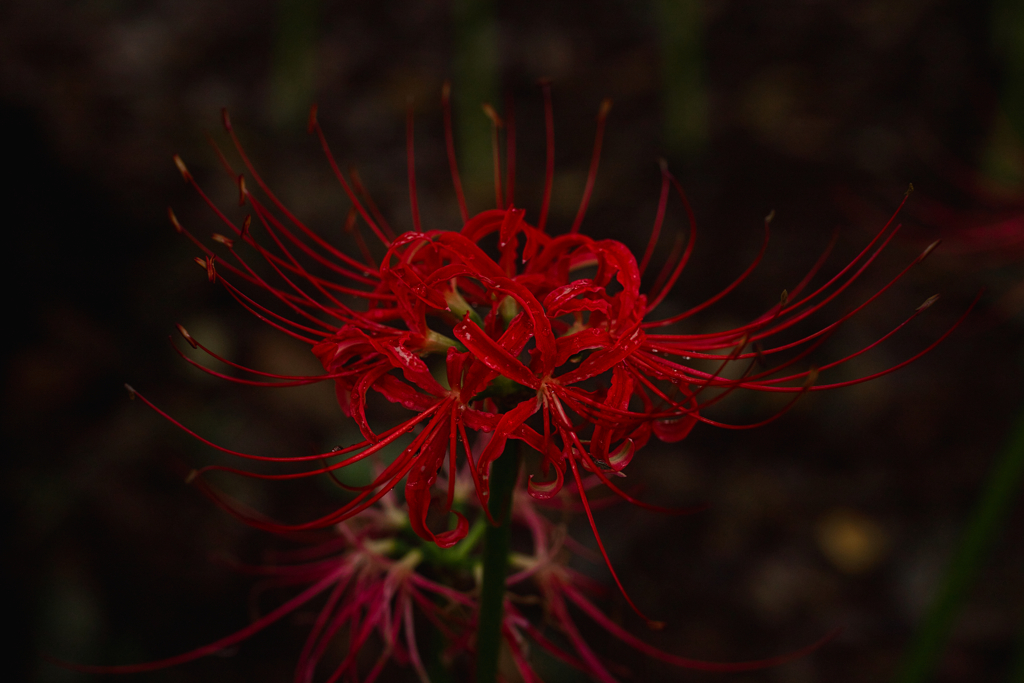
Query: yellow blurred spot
point(852, 541)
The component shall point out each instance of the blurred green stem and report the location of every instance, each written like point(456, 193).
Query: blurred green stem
point(504, 473)
point(997, 497)
point(293, 67)
point(681, 36)
point(475, 69)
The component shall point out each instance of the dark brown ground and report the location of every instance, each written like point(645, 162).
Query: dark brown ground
point(822, 110)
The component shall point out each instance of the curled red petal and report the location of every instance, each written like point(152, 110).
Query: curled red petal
point(493, 355)
point(546, 490)
point(674, 429)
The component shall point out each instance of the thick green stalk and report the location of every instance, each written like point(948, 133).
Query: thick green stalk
point(504, 473)
point(1000, 491)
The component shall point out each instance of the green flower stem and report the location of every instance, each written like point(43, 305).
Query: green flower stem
point(504, 473)
point(997, 497)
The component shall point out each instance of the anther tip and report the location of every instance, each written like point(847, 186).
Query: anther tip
point(223, 239)
point(655, 625)
point(492, 114)
point(910, 188)
point(191, 477)
point(928, 302)
point(188, 337)
point(225, 118)
point(242, 192)
point(770, 217)
point(174, 220)
point(131, 391)
point(182, 169)
point(446, 90)
point(606, 106)
point(211, 270)
point(929, 249)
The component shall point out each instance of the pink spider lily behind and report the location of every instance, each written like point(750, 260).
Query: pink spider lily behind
point(373, 596)
point(370, 592)
point(502, 328)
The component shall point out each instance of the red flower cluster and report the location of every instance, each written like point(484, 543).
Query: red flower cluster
point(503, 330)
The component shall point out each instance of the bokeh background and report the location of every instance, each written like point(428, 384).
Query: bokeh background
point(845, 513)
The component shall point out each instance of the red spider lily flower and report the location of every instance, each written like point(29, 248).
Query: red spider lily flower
point(548, 340)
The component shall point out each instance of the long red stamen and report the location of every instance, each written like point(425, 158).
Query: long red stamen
point(658, 294)
point(496, 125)
point(449, 144)
point(659, 218)
point(549, 154)
point(343, 257)
point(411, 166)
point(510, 151)
point(602, 116)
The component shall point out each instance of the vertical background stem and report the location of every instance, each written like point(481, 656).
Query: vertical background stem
point(476, 81)
point(1000, 491)
point(504, 473)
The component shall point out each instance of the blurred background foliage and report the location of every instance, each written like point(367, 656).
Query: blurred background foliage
point(844, 513)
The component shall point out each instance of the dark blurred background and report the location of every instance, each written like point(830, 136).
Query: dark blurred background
point(842, 514)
